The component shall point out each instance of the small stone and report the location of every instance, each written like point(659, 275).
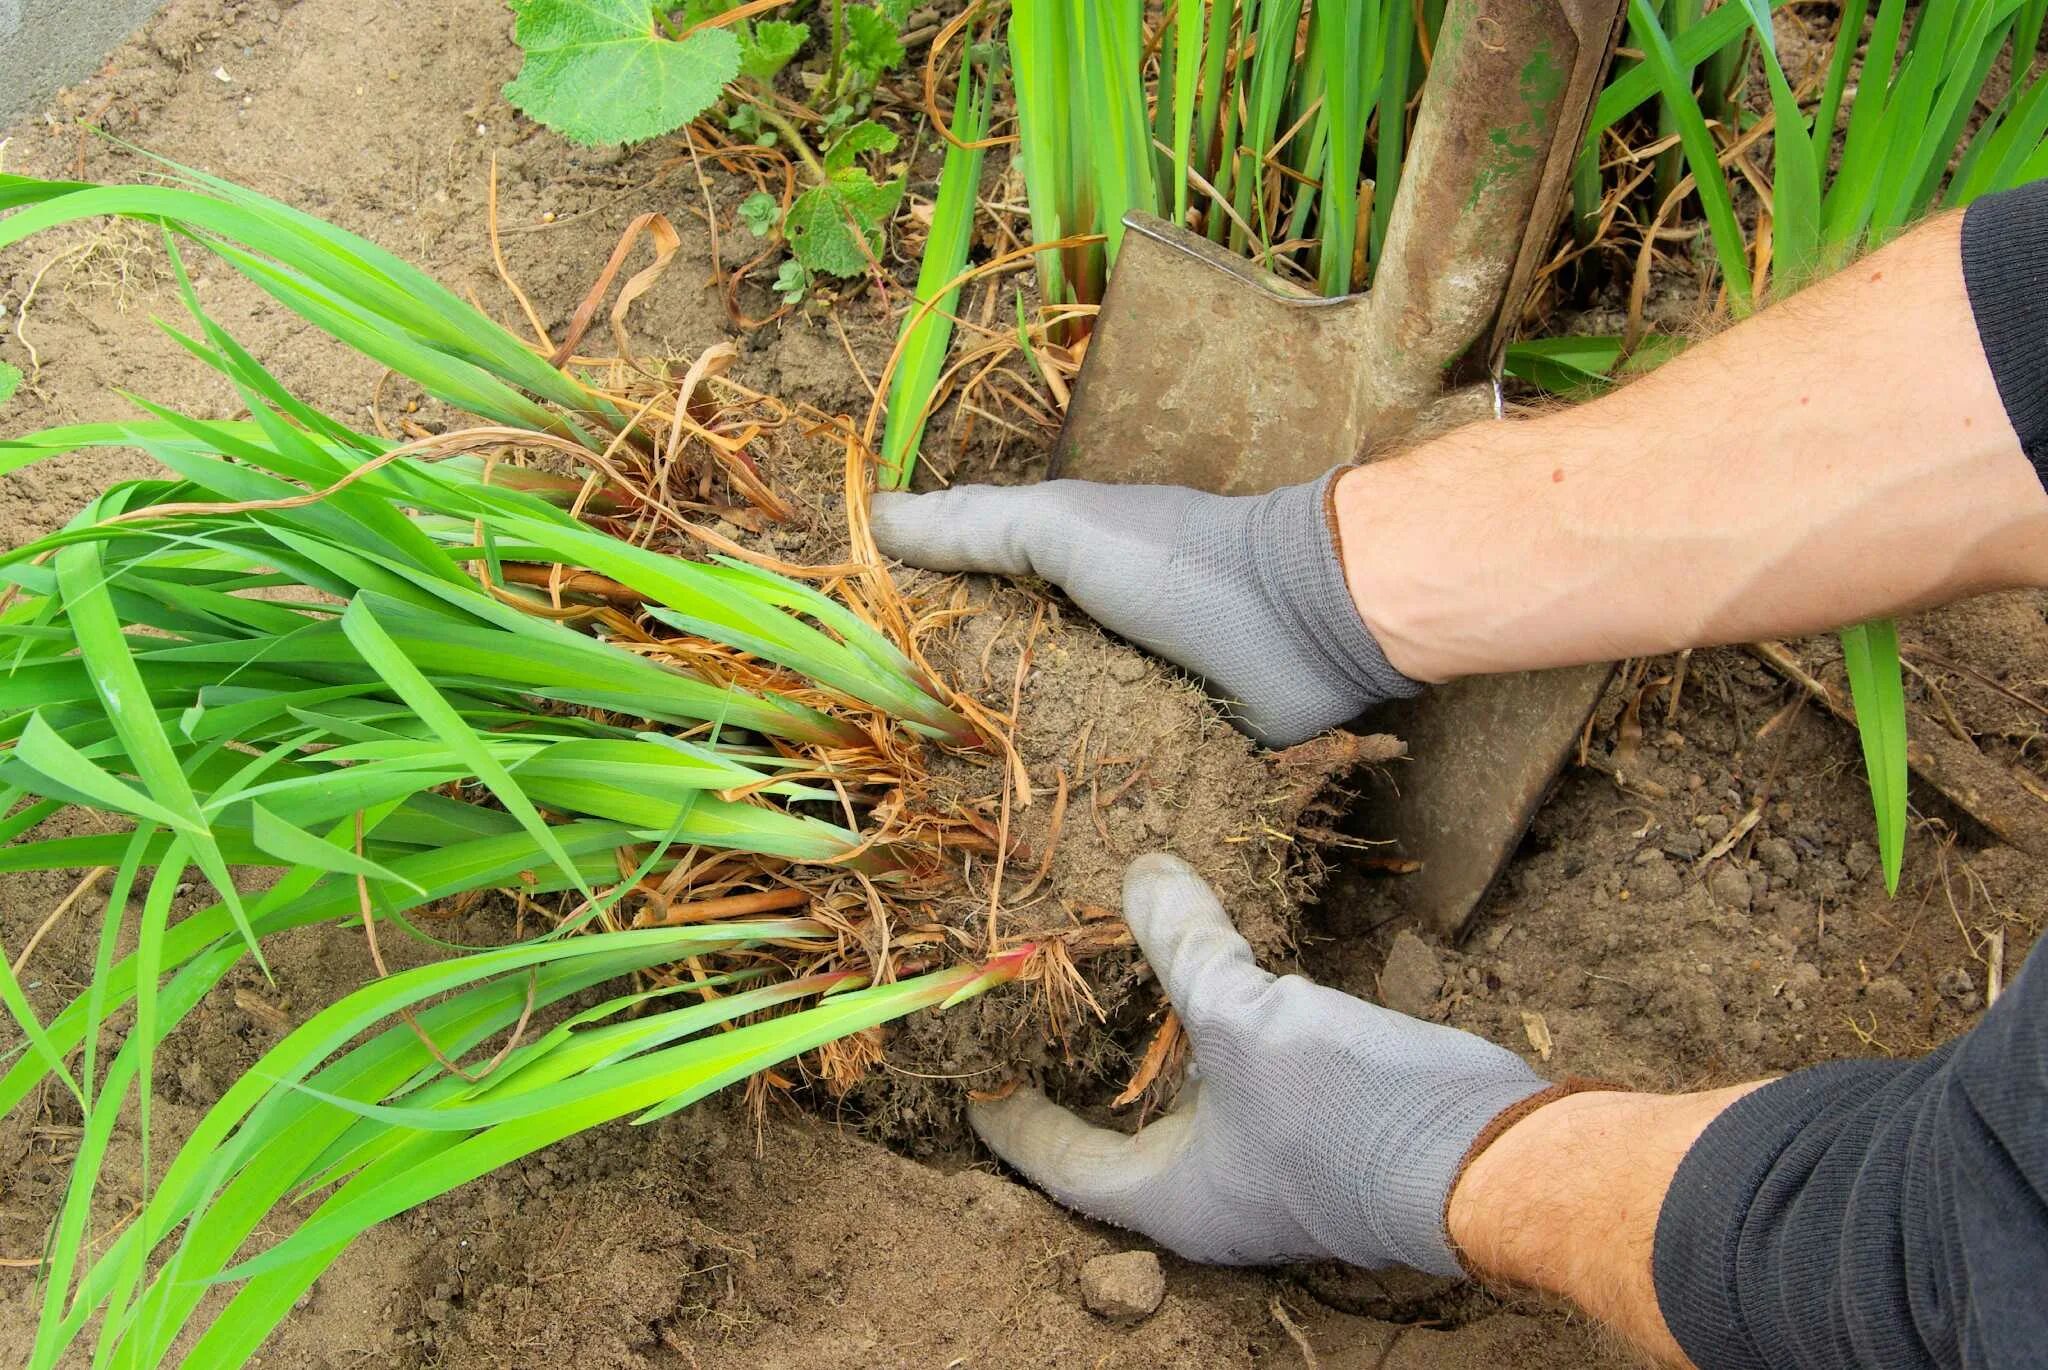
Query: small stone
point(1128, 669)
point(1686, 846)
point(1956, 983)
point(1125, 1287)
point(1655, 878)
point(1889, 989)
point(1159, 817)
point(1714, 825)
point(1862, 860)
point(1412, 977)
point(1778, 857)
point(1729, 886)
point(1804, 975)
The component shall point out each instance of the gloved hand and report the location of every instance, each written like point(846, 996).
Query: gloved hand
point(1315, 1125)
point(1247, 593)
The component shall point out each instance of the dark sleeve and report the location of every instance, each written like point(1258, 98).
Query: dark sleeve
point(2005, 269)
point(1873, 1213)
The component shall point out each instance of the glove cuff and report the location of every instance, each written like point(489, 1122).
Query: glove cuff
point(1402, 1199)
point(1302, 568)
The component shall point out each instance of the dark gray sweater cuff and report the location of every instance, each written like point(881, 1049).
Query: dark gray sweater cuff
point(2005, 268)
point(1873, 1213)
point(1748, 1256)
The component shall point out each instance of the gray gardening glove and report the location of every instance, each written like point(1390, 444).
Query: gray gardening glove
point(1247, 593)
point(1319, 1125)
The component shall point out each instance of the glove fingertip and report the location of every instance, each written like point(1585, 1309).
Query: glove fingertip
point(1202, 961)
point(1152, 867)
point(1166, 901)
point(894, 519)
point(1000, 1122)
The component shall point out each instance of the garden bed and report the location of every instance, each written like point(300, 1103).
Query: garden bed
point(1630, 934)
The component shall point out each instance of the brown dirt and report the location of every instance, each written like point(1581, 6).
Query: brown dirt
point(704, 1241)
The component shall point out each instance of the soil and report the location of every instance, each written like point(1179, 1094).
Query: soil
point(1698, 902)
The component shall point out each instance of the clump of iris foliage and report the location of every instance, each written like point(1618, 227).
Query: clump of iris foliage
point(301, 669)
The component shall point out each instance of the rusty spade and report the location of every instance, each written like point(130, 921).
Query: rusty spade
point(1206, 370)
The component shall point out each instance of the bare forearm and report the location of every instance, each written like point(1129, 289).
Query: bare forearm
point(1566, 1202)
point(1842, 456)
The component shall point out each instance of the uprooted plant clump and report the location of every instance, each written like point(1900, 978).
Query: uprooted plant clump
point(1094, 753)
point(468, 663)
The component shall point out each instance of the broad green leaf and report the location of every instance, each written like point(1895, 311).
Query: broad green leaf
point(792, 282)
point(602, 71)
point(837, 226)
point(768, 45)
point(10, 381)
point(872, 46)
point(865, 136)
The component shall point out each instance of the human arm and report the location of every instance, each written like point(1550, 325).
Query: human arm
point(1566, 1202)
point(1846, 454)
point(1860, 1214)
point(1873, 1213)
point(1843, 455)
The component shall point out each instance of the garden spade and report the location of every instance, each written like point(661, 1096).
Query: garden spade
point(1206, 370)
